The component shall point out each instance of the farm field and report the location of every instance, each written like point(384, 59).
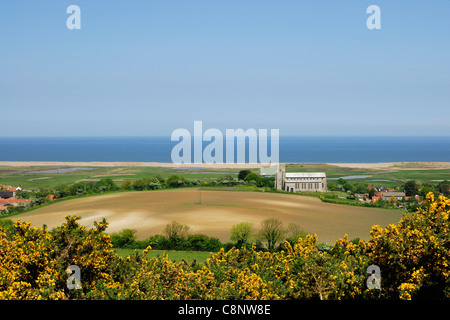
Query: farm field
point(148, 212)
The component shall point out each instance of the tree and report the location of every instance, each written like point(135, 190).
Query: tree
point(444, 188)
point(360, 187)
point(139, 185)
point(267, 182)
point(372, 192)
point(272, 231)
point(426, 188)
point(242, 174)
point(127, 185)
point(176, 231)
point(411, 188)
point(175, 181)
point(345, 185)
point(256, 178)
point(106, 184)
point(295, 232)
point(240, 233)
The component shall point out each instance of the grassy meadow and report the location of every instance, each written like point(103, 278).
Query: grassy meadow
point(173, 255)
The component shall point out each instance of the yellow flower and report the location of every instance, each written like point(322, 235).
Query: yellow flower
point(430, 196)
point(146, 250)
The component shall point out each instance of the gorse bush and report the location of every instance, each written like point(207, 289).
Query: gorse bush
point(413, 257)
point(33, 261)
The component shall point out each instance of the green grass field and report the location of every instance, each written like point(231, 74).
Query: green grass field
point(177, 256)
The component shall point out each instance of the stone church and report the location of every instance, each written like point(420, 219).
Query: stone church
point(300, 181)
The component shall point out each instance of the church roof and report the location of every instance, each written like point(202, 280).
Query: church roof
point(305, 175)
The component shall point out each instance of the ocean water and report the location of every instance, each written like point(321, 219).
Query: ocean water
point(292, 149)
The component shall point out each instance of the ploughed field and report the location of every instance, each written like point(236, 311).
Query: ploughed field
point(213, 213)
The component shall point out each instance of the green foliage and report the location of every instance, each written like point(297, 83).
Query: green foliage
point(145, 183)
point(257, 180)
point(444, 188)
point(295, 233)
point(176, 232)
point(271, 231)
point(241, 233)
point(124, 238)
point(411, 188)
point(243, 174)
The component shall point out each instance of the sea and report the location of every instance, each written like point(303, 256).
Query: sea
point(297, 149)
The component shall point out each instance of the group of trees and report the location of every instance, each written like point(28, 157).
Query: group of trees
point(347, 186)
point(83, 188)
point(412, 188)
point(412, 256)
point(177, 181)
point(256, 179)
point(158, 182)
point(176, 236)
point(271, 232)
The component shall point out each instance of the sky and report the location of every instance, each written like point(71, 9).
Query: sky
point(145, 68)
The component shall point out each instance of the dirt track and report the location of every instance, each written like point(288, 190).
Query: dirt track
point(149, 211)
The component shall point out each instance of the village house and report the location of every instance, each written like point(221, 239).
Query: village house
point(5, 194)
point(8, 191)
point(390, 194)
point(375, 198)
point(8, 197)
point(300, 181)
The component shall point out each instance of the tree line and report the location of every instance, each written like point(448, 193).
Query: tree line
point(176, 236)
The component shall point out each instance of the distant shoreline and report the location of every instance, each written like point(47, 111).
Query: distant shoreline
point(378, 165)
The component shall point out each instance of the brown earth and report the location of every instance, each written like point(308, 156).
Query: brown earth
point(149, 211)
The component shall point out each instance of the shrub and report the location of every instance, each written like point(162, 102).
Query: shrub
point(124, 238)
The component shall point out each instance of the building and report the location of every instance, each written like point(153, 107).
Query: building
point(7, 194)
point(389, 195)
point(8, 191)
point(301, 181)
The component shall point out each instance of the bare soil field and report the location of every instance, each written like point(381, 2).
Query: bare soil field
point(148, 212)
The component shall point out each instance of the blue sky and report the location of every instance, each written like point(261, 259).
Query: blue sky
point(140, 68)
